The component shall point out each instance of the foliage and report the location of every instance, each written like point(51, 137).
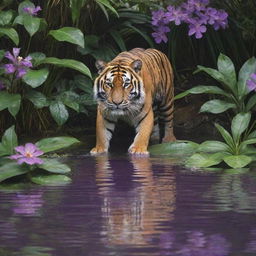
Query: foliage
point(36, 171)
point(231, 90)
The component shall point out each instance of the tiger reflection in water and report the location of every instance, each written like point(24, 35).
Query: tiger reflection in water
point(135, 203)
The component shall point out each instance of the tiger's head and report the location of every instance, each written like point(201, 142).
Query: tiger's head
point(119, 87)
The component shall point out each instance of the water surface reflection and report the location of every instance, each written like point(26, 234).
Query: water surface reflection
point(132, 206)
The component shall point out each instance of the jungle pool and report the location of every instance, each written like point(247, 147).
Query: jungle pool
point(122, 205)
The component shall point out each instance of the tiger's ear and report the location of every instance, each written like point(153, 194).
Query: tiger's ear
point(136, 65)
point(100, 65)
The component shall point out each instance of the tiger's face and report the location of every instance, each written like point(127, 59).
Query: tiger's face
point(119, 88)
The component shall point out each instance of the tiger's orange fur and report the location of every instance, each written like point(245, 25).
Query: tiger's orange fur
point(134, 86)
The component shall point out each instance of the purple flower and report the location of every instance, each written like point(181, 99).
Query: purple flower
point(158, 18)
point(212, 14)
point(197, 28)
point(221, 20)
point(28, 154)
point(251, 82)
point(32, 10)
point(176, 14)
point(160, 34)
point(28, 204)
point(198, 5)
point(19, 65)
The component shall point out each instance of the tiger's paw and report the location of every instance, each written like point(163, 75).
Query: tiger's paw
point(98, 150)
point(138, 150)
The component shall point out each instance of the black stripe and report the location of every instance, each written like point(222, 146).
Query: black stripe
point(110, 131)
point(110, 121)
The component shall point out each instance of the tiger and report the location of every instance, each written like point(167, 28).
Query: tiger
point(136, 86)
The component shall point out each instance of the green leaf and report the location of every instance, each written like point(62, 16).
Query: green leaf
point(10, 101)
point(11, 169)
point(37, 57)
point(37, 98)
point(35, 78)
point(237, 161)
point(107, 4)
point(174, 148)
point(51, 180)
point(9, 140)
point(5, 17)
point(143, 34)
point(70, 99)
point(203, 89)
point(69, 34)
point(55, 143)
point(213, 73)
point(118, 39)
point(14, 105)
point(204, 160)
point(246, 70)
point(239, 124)
point(59, 112)
point(54, 166)
point(226, 135)
point(11, 33)
point(31, 24)
point(251, 103)
point(2, 53)
point(252, 135)
point(249, 141)
point(226, 67)
point(68, 63)
point(216, 106)
point(213, 146)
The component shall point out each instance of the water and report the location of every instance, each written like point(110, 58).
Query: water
point(132, 206)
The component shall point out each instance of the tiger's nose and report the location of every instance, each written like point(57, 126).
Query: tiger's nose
point(117, 103)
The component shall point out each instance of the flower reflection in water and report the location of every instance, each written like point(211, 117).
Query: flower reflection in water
point(28, 204)
point(196, 244)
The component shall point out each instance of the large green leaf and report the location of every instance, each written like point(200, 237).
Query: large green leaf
point(205, 160)
point(174, 148)
point(54, 166)
point(239, 124)
point(68, 63)
point(203, 89)
point(51, 179)
point(10, 101)
point(238, 161)
point(11, 33)
point(226, 67)
point(14, 105)
point(37, 98)
point(37, 57)
point(55, 143)
point(11, 170)
point(226, 135)
point(216, 106)
point(247, 69)
point(213, 146)
point(5, 17)
point(118, 39)
point(214, 74)
point(9, 140)
point(69, 34)
point(35, 78)
point(70, 99)
point(107, 4)
point(251, 103)
point(31, 24)
point(59, 112)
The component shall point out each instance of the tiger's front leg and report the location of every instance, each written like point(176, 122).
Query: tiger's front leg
point(144, 130)
point(104, 130)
